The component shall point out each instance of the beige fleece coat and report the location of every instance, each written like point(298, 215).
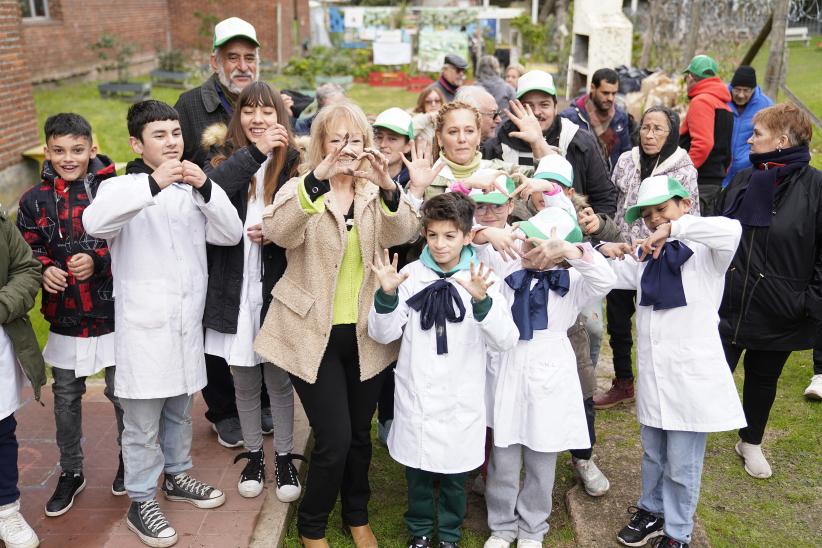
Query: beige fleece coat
point(296, 329)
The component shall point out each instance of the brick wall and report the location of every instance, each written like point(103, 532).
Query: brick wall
point(260, 13)
point(19, 121)
point(59, 46)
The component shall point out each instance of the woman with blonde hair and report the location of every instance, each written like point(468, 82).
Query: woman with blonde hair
point(424, 115)
point(331, 221)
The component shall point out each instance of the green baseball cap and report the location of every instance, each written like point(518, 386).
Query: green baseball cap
point(653, 191)
point(234, 27)
point(536, 80)
point(396, 120)
point(496, 197)
point(702, 66)
point(555, 168)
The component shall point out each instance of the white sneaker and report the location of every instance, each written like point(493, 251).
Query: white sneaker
point(14, 530)
point(755, 462)
point(593, 480)
point(527, 543)
point(496, 542)
point(814, 390)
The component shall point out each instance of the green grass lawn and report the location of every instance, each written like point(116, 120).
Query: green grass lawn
point(736, 509)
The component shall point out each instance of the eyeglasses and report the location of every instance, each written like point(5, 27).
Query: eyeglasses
point(653, 130)
point(493, 114)
point(485, 208)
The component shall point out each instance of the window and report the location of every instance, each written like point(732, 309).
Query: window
point(34, 9)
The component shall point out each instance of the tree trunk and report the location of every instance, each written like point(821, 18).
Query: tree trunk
point(774, 72)
point(546, 9)
point(648, 39)
point(694, 21)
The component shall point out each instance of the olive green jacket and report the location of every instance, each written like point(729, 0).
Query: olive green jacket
point(19, 283)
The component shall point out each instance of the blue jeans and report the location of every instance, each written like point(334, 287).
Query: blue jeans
point(671, 477)
point(68, 393)
point(592, 314)
point(156, 439)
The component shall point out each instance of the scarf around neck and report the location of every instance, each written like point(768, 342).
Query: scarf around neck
point(753, 205)
point(599, 121)
point(530, 308)
point(661, 281)
point(647, 163)
point(463, 171)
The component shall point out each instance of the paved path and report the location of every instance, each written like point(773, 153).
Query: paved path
point(97, 518)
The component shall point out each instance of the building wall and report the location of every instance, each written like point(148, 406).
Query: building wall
point(59, 47)
point(185, 26)
point(19, 121)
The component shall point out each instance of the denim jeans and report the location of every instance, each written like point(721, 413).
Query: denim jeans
point(592, 313)
point(68, 415)
point(671, 477)
point(157, 438)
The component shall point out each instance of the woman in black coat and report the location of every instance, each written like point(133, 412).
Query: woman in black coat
point(773, 288)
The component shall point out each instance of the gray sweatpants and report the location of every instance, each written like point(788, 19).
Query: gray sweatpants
point(248, 382)
point(514, 512)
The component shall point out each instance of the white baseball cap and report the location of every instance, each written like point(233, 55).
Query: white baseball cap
point(541, 224)
point(653, 191)
point(396, 120)
point(231, 28)
point(536, 80)
point(555, 168)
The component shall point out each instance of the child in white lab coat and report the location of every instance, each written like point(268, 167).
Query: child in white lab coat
point(157, 219)
point(684, 387)
point(447, 309)
point(538, 403)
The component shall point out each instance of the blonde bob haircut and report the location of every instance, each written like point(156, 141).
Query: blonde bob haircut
point(346, 113)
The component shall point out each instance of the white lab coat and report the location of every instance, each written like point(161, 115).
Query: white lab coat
point(683, 380)
point(439, 400)
point(158, 261)
point(538, 399)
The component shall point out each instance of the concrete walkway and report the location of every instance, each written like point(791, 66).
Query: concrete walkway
point(97, 518)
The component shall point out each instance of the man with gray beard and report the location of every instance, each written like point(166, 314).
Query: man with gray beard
point(234, 63)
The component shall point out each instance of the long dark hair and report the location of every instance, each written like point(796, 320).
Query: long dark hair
point(254, 95)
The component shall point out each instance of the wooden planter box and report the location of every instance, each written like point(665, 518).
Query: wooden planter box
point(128, 91)
point(388, 79)
point(418, 83)
point(165, 78)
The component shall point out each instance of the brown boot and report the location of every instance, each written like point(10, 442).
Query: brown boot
point(313, 543)
point(363, 536)
point(622, 391)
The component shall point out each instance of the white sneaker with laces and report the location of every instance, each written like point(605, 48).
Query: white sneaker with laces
point(527, 543)
point(14, 530)
point(593, 480)
point(814, 390)
point(496, 542)
point(755, 462)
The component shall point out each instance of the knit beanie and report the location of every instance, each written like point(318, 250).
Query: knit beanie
point(744, 76)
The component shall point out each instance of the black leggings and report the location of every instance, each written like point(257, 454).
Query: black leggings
point(762, 370)
point(619, 310)
point(339, 408)
point(590, 416)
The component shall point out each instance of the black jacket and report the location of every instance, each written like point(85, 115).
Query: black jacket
point(590, 172)
point(199, 108)
point(773, 288)
point(50, 218)
point(225, 264)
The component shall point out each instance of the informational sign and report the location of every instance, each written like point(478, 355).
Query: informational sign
point(435, 45)
point(392, 53)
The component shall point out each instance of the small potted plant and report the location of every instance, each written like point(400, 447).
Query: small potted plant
point(116, 55)
point(172, 69)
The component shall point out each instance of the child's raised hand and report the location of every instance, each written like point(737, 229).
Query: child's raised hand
point(615, 250)
point(547, 253)
point(479, 283)
point(54, 280)
point(504, 241)
point(486, 180)
point(589, 221)
point(81, 266)
point(168, 172)
point(421, 173)
point(386, 271)
point(193, 174)
point(653, 244)
point(528, 186)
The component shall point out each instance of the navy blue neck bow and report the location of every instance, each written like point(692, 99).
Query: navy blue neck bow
point(662, 279)
point(530, 308)
point(435, 304)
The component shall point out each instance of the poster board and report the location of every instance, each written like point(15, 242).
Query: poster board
point(434, 45)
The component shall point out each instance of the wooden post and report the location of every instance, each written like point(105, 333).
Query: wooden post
point(757, 44)
point(774, 72)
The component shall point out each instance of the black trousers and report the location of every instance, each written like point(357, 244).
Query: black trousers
point(817, 352)
point(762, 370)
point(8, 461)
point(709, 190)
point(590, 417)
point(619, 312)
point(339, 408)
point(385, 406)
point(218, 393)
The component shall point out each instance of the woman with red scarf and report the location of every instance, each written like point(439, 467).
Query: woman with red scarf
point(773, 288)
